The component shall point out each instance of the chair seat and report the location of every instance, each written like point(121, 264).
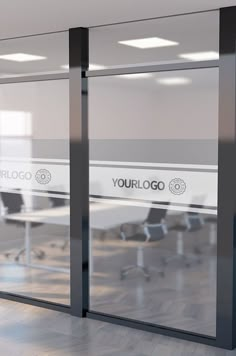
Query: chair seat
point(183, 228)
point(139, 237)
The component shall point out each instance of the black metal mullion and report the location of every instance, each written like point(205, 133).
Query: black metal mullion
point(226, 249)
point(79, 172)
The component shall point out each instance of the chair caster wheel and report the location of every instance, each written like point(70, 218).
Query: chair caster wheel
point(148, 278)
point(187, 265)
point(7, 255)
point(17, 259)
point(162, 274)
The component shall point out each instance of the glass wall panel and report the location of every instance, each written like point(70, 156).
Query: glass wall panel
point(34, 176)
point(153, 197)
point(43, 54)
point(173, 39)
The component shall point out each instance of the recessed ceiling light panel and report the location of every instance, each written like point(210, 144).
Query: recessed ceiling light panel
point(151, 42)
point(200, 56)
point(174, 81)
point(21, 57)
point(65, 66)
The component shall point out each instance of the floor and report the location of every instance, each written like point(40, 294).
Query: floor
point(185, 298)
point(30, 331)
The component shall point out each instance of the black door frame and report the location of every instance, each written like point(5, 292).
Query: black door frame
point(226, 280)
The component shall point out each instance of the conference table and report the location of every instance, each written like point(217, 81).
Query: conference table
point(103, 216)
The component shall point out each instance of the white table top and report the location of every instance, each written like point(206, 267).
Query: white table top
point(57, 216)
point(102, 216)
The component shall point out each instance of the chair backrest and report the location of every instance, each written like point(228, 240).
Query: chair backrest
point(193, 219)
point(155, 216)
point(155, 229)
point(56, 202)
point(12, 201)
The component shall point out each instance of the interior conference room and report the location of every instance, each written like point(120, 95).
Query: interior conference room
point(133, 127)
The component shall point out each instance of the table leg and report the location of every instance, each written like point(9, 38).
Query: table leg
point(180, 244)
point(27, 243)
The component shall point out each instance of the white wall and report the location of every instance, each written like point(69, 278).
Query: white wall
point(122, 108)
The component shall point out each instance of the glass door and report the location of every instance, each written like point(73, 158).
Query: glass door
point(154, 170)
point(153, 197)
point(34, 168)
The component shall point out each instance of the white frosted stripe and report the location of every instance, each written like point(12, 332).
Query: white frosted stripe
point(150, 205)
point(149, 164)
point(28, 159)
point(32, 193)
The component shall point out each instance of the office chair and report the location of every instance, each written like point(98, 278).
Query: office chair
point(57, 203)
point(193, 223)
point(153, 230)
point(13, 203)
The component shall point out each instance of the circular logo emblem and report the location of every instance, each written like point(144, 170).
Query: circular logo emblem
point(43, 176)
point(177, 186)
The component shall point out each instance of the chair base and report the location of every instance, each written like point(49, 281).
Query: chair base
point(62, 246)
point(186, 259)
point(39, 254)
point(145, 270)
point(125, 271)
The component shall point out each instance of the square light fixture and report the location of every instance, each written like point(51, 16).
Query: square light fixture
point(200, 56)
point(65, 66)
point(151, 42)
point(21, 57)
point(174, 81)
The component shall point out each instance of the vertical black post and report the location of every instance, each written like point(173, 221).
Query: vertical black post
point(79, 171)
point(226, 283)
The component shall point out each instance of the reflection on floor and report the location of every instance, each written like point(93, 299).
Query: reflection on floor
point(185, 298)
point(32, 331)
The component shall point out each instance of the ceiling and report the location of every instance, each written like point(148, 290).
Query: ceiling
point(107, 51)
point(26, 17)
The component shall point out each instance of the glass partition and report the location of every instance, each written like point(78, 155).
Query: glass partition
point(175, 39)
point(34, 55)
point(153, 197)
point(34, 171)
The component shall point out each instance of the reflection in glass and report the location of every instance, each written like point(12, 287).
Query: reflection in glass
point(157, 41)
point(34, 196)
point(153, 193)
point(34, 55)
